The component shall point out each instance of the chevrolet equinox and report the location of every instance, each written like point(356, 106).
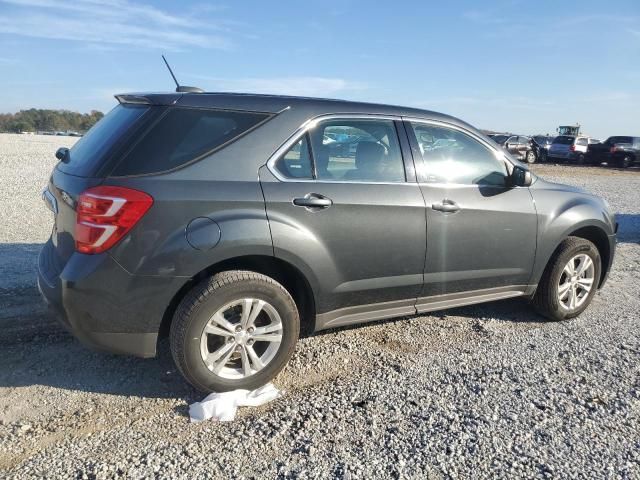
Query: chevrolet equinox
point(232, 222)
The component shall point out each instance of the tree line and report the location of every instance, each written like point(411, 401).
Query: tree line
point(39, 120)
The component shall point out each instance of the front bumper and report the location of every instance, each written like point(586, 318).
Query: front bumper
point(103, 305)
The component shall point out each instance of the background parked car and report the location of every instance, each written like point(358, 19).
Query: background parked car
point(541, 144)
point(619, 151)
point(519, 146)
point(569, 148)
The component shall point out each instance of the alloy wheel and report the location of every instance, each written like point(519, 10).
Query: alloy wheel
point(576, 282)
point(241, 338)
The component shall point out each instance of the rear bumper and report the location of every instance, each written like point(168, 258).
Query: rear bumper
point(565, 155)
point(103, 305)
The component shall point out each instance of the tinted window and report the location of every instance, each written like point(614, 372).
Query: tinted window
point(524, 140)
point(296, 163)
point(582, 141)
point(450, 156)
point(564, 140)
point(87, 155)
point(500, 138)
point(182, 135)
point(357, 151)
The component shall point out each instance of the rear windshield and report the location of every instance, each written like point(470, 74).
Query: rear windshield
point(613, 140)
point(183, 135)
point(88, 154)
point(564, 140)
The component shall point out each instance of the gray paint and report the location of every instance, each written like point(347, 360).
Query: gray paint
point(379, 250)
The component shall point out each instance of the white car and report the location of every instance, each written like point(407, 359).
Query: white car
point(569, 148)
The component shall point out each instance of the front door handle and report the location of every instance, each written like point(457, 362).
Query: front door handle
point(313, 201)
point(448, 206)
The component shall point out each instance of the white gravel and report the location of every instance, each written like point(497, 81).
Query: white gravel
point(478, 392)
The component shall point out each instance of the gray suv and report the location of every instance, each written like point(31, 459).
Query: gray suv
point(233, 222)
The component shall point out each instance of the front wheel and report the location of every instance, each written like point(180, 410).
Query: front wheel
point(570, 280)
point(235, 330)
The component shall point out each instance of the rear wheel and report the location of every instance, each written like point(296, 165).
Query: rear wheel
point(625, 162)
point(580, 159)
point(570, 280)
point(235, 330)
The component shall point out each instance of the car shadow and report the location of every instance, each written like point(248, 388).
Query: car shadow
point(628, 227)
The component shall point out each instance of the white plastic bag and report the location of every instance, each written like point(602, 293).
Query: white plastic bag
point(223, 406)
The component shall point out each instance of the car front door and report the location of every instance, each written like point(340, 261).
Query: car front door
point(352, 220)
point(481, 232)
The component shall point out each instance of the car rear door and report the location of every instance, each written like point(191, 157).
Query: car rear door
point(481, 232)
point(352, 220)
point(513, 146)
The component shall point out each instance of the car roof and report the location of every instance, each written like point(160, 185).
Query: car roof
point(279, 103)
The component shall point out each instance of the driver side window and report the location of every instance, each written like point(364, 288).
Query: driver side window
point(450, 156)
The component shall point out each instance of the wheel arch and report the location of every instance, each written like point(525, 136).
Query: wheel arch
point(283, 272)
point(597, 235)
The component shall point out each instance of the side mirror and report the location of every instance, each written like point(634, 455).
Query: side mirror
point(61, 153)
point(521, 177)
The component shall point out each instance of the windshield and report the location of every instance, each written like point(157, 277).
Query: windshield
point(87, 155)
point(564, 140)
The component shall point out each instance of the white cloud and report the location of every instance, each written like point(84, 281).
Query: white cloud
point(112, 22)
point(304, 86)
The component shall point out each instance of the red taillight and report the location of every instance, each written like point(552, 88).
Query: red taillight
point(572, 148)
point(105, 214)
point(613, 149)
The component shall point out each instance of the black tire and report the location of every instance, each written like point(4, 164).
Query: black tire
point(530, 157)
point(543, 156)
point(546, 297)
point(580, 159)
point(205, 299)
point(625, 162)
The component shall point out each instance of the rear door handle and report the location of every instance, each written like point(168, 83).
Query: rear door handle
point(313, 201)
point(448, 206)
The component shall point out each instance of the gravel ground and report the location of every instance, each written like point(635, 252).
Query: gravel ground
point(482, 392)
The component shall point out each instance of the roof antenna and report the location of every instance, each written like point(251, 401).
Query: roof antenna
point(181, 88)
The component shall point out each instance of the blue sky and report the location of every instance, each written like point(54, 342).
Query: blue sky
point(506, 65)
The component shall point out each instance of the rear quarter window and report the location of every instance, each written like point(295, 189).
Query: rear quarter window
point(183, 135)
point(89, 153)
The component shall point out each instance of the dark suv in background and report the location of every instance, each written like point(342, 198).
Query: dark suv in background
point(234, 221)
point(619, 151)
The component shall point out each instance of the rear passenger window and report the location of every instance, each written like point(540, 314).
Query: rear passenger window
point(581, 141)
point(183, 135)
point(296, 162)
point(450, 156)
point(355, 150)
